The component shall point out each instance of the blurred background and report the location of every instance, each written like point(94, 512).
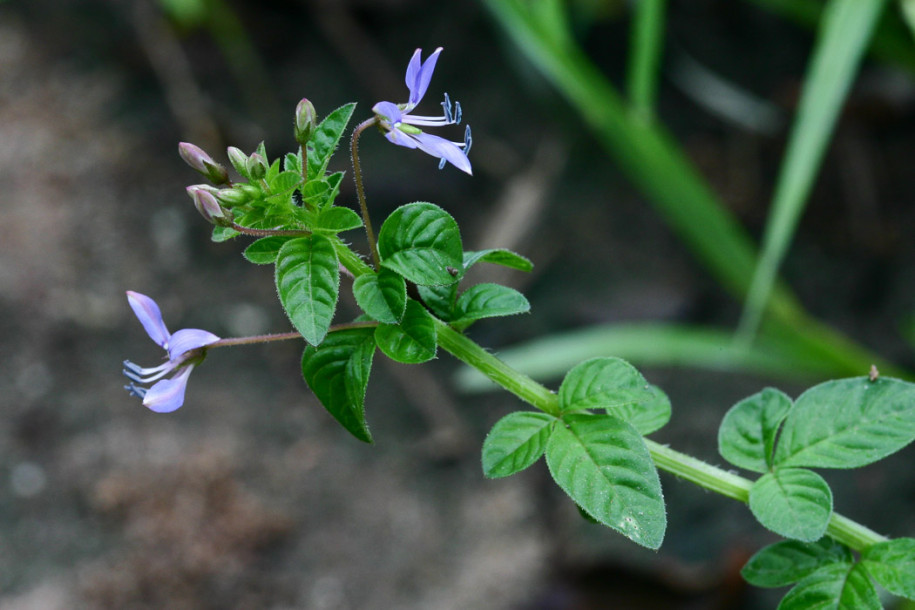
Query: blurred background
point(251, 496)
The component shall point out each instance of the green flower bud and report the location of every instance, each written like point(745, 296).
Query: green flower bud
point(306, 121)
point(239, 160)
point(256, 166)
point(232, 196)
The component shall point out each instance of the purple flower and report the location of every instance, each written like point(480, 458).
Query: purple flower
point(401, 127)
point(185, 350)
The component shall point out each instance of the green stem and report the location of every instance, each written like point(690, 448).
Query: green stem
point(525, 388)
point(842, 529)
point(360, 190)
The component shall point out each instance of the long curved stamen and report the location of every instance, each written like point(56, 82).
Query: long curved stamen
point(140, 374)
point(426, 121)
point(468, 140)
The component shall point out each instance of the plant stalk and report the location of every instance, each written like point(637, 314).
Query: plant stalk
point(360, 189)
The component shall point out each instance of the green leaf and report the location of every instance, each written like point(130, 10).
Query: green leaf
point(337, 371)
point(747, 434)
point(285, 182)
point(333, 182)
point(336, 219)
point(837, 586)
point(603, 464)
point(421, 241)
point(324, 141)
point(892, 564)
point(489, 301)
point(265, 250)
point(649, 414)
point(440, 299)
point(498, 256)
point(602, 383)
point(292, 162)
point(413, 340)
point(308, 282)
point(792, 502)
point(515, 442)
point(848, 423)
point(787, 562)
point(221, 234)
point(382, 295)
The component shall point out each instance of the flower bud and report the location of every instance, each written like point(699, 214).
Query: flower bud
point(306, 121)
point(232, 196)
point(239, 160)
point(203, 163)
point(256, 166)
point(208, 206)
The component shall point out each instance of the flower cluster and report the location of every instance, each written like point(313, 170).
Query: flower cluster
point(403, 128)
point(185, 349)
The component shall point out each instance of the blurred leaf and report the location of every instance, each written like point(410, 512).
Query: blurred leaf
point(646, 44)
point(787, 562)
point(603, 464)
point(650, 344)
point(421, 242)
point(308, 283)
point(847, 423)
point(515, 442)
point(747, 434)
point(187, 13)
point(845, 32)
point(792, 502)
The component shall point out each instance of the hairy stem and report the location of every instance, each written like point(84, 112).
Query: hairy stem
point(269, 232)
point(360, 190)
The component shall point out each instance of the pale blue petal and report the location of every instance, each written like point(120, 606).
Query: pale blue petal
point(444, 149)
point(150, 317)
point(188, 339)
point(168, 395)
point(389, 111)
point(395, 136)
point(418, 79)
point(414, 68)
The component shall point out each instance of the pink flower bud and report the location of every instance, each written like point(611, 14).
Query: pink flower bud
point(203, 163)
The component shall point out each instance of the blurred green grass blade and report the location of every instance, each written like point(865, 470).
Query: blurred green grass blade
point(892, 42)
point(643, 150)
point(646, 46)
point(844, 35)
point(657, 344)
point(780, 353)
